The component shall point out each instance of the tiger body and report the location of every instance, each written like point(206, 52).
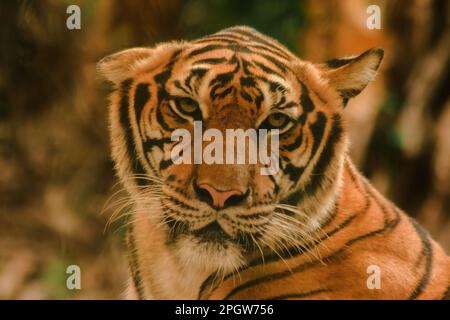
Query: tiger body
point(314, 229)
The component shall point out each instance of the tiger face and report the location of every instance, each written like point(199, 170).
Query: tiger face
point(221, 214)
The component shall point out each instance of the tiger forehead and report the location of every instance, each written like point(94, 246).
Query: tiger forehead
point(252, 53)
point(228, 77)
point(269, 60)
point(216, 70)
point(246, 39)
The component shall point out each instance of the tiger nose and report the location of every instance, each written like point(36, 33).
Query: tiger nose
point(217, 198)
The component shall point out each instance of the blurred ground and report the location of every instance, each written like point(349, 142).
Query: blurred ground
point(55, 172)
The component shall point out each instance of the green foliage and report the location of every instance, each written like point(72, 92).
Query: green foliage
point(54, 276)
point(388, 115)
point(280, 19)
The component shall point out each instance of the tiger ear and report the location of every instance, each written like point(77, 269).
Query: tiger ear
point(349, 76)
point(116, 67)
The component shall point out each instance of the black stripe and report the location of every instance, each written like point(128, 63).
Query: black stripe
point(211, 61)
point(205, 49)
point(247, 81)
point(161, 121)
point(246, 96)
point(224, 93)
point(276, 187)
point(164, 164)
point(427, 252)
point(306, 103)
point(220, 36)
point(317, 130)
point(135, 164)
point(195, 73)
point(300, 295)
point(275, 61)
point(221, 80)
point(328, 153)
point(322, 164)
point(288, 105)
point(371, 192)
point(337, 63)
point(179, 86)
point(161, 79)
point(446, 295)
point(276, 86)
point(297, 142)
point(349, 93)
point(209, 283)
point(134, 265)
point(294, 172)
point(141, 96)
point(225, 78)
point(279, 103)
point(149, 144)
point(256, 38)
point(245, 65)
point(267, 69)
point(274, 52)
point(259, 98)
point(389, 225)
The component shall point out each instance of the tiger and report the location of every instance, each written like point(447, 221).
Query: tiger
point(315, 229)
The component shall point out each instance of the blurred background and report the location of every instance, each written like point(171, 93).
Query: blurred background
point(56, 175)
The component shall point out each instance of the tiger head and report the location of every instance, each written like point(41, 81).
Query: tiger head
point(219, 214)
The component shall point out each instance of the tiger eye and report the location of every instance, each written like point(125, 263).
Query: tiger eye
point(187, 105)
point(278, 120)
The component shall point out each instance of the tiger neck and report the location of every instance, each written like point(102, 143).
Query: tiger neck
point(324, 202)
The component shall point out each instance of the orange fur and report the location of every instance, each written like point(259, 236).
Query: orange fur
point(312, 230)
point(371, 231)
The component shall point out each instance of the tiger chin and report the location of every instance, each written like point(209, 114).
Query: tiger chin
point(311, 230)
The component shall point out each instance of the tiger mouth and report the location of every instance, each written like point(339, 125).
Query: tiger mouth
point(213, 232)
